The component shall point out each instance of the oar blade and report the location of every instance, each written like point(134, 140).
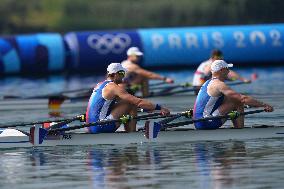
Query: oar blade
point(152, 129)
point(37, 135)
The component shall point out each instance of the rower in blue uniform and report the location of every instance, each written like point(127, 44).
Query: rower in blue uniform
point(111, 101)
point(207, 105)
point(217, 98)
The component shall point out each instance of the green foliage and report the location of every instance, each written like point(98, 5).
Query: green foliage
point(25, 16)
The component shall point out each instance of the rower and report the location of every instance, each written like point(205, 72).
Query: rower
point(203, 72)
point(137, 76)
point(112, 101)
point(217, 98)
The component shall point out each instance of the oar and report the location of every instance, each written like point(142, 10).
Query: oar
point(157, 84)
point(172, 86)
point(78, 117)
point(232, 83)
point(41, 133)
point(233, 115)
point(162, 93)
point(149, 127)
point(187, 114)
point(123, 119)
point(37, 134)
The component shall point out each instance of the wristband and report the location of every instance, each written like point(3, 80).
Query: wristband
point(158, 107)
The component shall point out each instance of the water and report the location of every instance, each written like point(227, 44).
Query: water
point(223, 164)
point(234, 164)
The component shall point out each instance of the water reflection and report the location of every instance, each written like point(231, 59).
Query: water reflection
point(214, 162)
point(119, 166)
point(206, 164)
point(181, 165)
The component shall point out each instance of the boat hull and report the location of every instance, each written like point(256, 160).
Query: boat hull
point(182, 135)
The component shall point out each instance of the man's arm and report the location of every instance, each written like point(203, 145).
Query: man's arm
point(149, 75)
point(227, 91)
point(244, 99)
point(122, 94)
point(235, 76)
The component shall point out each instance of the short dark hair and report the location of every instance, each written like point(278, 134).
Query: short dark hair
point(216, 52)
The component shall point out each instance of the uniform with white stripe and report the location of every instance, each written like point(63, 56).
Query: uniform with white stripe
point(206, 106)
point(98, 109)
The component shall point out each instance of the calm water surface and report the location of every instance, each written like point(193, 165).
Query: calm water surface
point(223, 164)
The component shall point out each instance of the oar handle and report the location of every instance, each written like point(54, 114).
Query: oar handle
point(173, 86)
point(156, 94)
point(237, 83)
point(82, 118)
point(187, 114)
point(157, 84)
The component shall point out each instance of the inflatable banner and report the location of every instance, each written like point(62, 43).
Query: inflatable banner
point(35, 54)
point(192, 45)
point(93, 51)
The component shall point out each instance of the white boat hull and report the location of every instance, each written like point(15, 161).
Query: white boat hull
point(190, 135)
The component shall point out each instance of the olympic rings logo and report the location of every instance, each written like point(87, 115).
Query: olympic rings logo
point(115, 43)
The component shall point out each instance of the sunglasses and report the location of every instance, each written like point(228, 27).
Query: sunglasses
point(122, 73)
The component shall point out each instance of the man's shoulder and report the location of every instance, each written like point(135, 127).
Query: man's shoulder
point(216, 87)
point(127, 62)
point(217, 82)
point(111, 84)
point(111, 87)
point(209, 61)
point(220, 86)
point(129, 65)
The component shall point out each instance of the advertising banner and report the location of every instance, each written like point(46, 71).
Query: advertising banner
point(35, 53)
point(95, 50)
point(192, 45)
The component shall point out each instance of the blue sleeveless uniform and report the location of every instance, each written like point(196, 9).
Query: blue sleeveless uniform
point(99, 109)
point(204, 106)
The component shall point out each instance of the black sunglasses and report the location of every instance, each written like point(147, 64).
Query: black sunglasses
point(121, 73)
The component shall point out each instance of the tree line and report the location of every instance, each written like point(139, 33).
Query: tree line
point(28, 16)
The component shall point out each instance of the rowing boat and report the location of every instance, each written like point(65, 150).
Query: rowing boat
point(12, 138)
